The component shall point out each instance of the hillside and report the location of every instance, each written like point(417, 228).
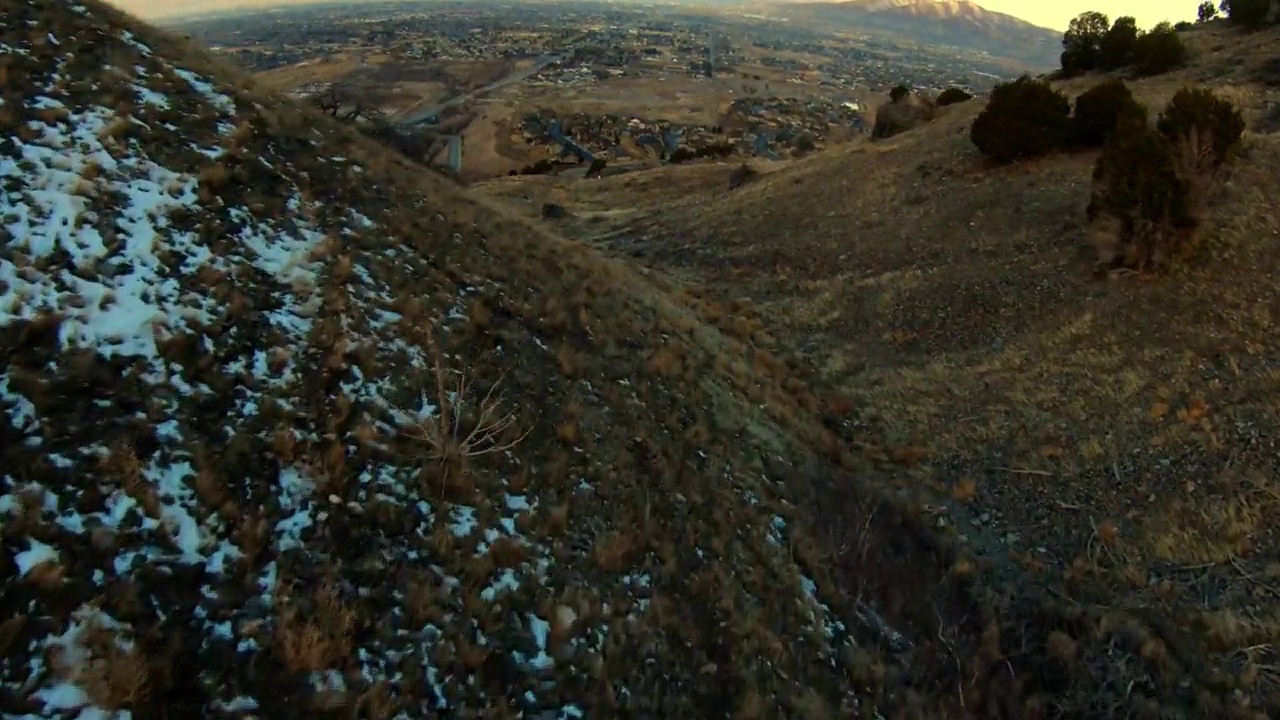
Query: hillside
point(1113, 438)
point(956, 23)
point(290, 427)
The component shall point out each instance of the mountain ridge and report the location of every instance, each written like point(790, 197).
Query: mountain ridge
point(958, 23)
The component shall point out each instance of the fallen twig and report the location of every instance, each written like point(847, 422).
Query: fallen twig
point(871, 620)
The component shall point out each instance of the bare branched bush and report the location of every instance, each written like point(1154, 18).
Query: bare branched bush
point(465, 426)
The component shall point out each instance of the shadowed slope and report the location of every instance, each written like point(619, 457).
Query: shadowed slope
point(291, 427)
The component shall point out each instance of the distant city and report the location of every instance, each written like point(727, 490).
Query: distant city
point(493, 89)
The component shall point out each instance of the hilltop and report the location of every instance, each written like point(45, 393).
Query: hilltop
point(1111, 439)
point(292, 427)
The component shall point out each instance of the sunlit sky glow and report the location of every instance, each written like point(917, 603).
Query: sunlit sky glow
point(1057, 14)
point(1054, 14)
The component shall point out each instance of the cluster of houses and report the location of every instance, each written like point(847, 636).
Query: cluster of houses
point(769, 128)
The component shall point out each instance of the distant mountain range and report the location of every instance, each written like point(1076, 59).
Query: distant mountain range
point(957, 23)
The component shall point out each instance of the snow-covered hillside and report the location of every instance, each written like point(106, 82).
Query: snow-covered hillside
point(246, 470)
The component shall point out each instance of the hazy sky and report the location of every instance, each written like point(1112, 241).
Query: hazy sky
point(1041, 12)
point(1058, 14)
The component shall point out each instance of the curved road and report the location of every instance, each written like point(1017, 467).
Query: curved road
point(425, 114)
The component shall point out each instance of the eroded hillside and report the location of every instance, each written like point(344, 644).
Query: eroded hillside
point(1112, 437)
point(292, 428)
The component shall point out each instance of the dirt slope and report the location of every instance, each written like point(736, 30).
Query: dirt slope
point(292, 428)
point(1115, 439)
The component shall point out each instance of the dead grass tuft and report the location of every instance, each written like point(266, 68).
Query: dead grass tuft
point(312, 633)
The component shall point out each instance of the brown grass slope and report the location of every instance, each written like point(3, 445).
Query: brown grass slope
point(1115, 439)
point(292, 428)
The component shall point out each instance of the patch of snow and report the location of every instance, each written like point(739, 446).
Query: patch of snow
point(118, 313)
point(21, 411)
point(175, 497)
point(37, 554)
point(61, 696)
point(147, 96)
point(202, 86)
point(132, 41)
point(296, 490)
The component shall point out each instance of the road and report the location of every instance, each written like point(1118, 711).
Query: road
point(425, 114)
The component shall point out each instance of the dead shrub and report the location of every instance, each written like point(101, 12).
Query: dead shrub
point(313, 634)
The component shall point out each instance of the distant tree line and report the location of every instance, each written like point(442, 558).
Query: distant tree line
point(1092, 42)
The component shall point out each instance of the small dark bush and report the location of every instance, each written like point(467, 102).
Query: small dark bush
point(1151, 186)
point(1117, 45)
point(1082, 43)
point(714, 150)
point(1249, 13)
point(1199, 116)
point(1025, 118)
point(741, 175)
point(951, 96)
point(1207, 11)
point(541, 167)
point(1098, 109)
point(1142, 201)
point(552, 211)
point(899, 91)
point(1159, 50)
point(680, 155)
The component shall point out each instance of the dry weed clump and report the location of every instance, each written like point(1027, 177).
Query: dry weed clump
point(313, 633)
point(113, 673)
point(464, 427)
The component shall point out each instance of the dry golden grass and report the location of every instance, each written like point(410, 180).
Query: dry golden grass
point(312, 633)
point(953, 303)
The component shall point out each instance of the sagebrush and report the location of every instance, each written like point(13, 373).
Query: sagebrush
point(1025, 118)
point(1099, 108)
point(951, 96)
point(1151, 186)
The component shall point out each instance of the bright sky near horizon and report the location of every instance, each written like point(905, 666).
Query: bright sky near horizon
point(1058, 14)
point(1048, 14)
